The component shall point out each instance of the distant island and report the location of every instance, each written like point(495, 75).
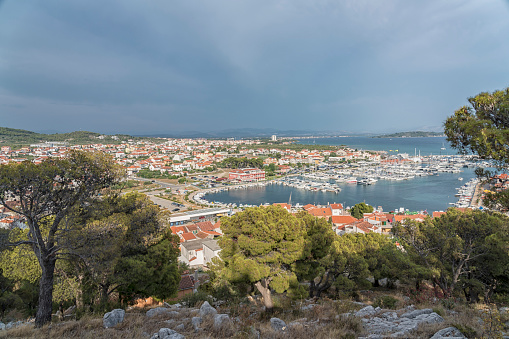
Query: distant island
point(416, 134)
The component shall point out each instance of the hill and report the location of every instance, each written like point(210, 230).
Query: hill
point(11, 136)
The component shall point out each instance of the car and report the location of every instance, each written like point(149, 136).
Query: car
point(175, 209)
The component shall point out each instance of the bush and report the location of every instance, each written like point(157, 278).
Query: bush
point(386, 302)
point(192, 299)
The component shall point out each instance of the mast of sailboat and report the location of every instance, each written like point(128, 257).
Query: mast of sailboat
point(290, 200)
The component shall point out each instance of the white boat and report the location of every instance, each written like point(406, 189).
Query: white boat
point(460, 179)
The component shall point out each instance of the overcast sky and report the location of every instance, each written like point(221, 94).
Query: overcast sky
point(156, 66)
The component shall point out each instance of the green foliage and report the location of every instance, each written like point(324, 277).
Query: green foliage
point(193, 299)
point(483, 129)
point(386, 301)
point(123, 249)
point(241, 163)
point(358, 210)
point(258, 246)
point(463, 251)
point(18, 136)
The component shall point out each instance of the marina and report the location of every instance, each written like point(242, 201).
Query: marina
point(434, 183)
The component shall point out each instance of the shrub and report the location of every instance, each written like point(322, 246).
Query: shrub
point(192, 299)
point(386, 302)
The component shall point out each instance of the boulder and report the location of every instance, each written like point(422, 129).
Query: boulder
point(206, 310)
point(113, 318)
point(180, 327)
point(449, 332)
point(368, 310)
point(196, 321)
point(413, 314)
point(2, 326)
point(277, 324)
point(166, 333)
point(221, 320)
point(161, 310)
point(432, 318)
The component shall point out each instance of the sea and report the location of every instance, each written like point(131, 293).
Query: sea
point(430, 193)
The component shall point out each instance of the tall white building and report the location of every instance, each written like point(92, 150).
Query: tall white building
point(274, 138)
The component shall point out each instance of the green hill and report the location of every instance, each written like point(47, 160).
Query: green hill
point(11, 136)
point(416, 134)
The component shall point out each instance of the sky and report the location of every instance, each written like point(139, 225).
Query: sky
point(158, 66)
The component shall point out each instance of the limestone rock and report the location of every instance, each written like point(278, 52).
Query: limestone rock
point(2, 326)
point(206, 309)
point(113, 318)
point(416, 313)
point(180, 327)
point(449, 332)
point(161, 310)
point(166, 333)
point(196, 321)
point(221, 320)
point(277, 324)
point(368, 310)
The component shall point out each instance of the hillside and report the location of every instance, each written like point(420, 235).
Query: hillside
point(11, 136)
point(415, 134)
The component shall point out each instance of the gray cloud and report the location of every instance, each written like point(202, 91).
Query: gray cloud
point(130, 66)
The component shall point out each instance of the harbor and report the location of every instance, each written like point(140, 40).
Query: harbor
point(433, 183)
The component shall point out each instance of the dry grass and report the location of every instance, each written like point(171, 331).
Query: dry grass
point(248, 321)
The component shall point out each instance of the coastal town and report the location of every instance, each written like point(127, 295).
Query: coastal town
point(178, 174)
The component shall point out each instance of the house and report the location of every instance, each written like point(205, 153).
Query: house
point(247, 174)
point(336, 209)
point(211, 249)
point(191, 253)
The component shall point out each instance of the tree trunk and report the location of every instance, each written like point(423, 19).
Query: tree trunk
point(263, 287)
point(45, 306)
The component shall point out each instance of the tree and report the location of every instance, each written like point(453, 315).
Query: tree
point(316, 255)
point(358, 210)
point(455, 247)
point(122, 248)
point(259, 246)
point(483, 129)
point(44, 195)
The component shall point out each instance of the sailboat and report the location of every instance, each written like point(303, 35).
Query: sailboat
point(443, 147)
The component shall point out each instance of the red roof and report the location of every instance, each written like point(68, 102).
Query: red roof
point(343, 219)
point(188, 236)
point(186, 282)
point(205, 226)
point(320, 212)
point(336, 206)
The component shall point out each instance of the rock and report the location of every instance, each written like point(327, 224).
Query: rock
point(206, 309)
point(432, 318)
point(277, 324)
point(413, 314)
point(378, 309)
point(503, 310)
point(307, 307)
point(368, 310)
point(180, 327)
point(177, 305)
point(221, 320)
point(196, 321)
point(390, 316)
point(254, 332)
point(2, 326)
point(449, 332)
point(166, 333)
point(113, 318)
point(161, 310)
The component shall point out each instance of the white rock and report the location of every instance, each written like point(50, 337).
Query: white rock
point(449, 332)
point(221, 320)
point(113, 318)
point(277, 324)
point(206, 309)
point(368, 310)
point(166, 333)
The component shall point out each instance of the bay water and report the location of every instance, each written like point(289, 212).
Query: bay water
point(430, 193)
